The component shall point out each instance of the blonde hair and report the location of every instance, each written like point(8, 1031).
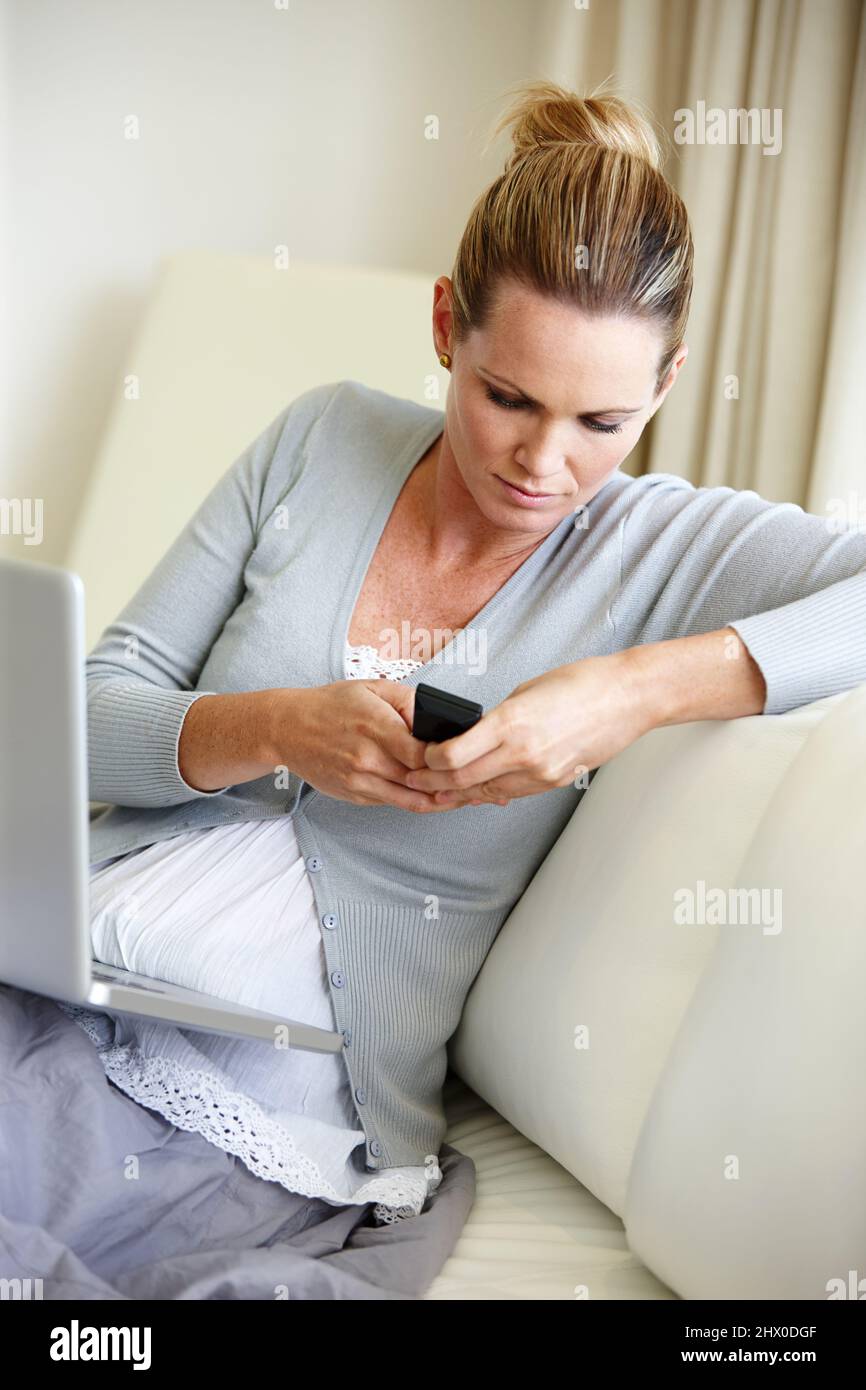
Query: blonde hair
point(584, 172)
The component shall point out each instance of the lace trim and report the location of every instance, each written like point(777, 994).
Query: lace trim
point(194, 1100)
point(363, 662)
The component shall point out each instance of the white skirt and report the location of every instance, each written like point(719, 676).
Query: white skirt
point(230, 911)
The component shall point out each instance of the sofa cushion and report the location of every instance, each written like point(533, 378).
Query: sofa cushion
point(225, 343)
point(749, 1178)
point(533, 1232)
point(570, 1022)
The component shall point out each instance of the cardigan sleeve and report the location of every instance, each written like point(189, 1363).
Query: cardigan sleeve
point(792, 584)
point(141, 677)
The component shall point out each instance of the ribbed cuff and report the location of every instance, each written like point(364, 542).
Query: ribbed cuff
point(811, 648)
point(133, 732)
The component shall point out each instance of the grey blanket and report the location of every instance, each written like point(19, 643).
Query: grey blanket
point(101, 1198)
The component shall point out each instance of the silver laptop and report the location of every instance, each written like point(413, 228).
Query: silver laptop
point(45, 943)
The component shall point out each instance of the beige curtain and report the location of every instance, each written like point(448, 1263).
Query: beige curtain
point(780, 264)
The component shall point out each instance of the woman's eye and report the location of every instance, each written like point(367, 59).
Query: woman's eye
point(508, 404)
point(605, 429)
point(504, 400)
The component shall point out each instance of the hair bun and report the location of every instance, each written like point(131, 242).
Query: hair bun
point(545, 114)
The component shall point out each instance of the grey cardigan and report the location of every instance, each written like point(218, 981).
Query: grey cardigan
point(257, 591)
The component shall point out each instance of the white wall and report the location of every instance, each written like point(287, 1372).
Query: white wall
point(258, 126)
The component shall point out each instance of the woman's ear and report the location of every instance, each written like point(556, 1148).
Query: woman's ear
point(670, 379)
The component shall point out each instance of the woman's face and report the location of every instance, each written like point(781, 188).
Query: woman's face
point(547, 400)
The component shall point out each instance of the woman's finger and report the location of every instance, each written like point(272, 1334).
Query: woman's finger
point(498, 790)
point(494, 764)
point(381, 791)
point(472, 744)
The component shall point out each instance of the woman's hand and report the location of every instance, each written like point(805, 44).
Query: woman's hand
point(351, 740)
point(546, 734)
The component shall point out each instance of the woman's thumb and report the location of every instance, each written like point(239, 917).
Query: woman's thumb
point(400, 697)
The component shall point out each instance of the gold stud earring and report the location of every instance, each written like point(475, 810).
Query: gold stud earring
point(445, 359)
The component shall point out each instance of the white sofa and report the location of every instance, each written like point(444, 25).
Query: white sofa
point(656, 1110)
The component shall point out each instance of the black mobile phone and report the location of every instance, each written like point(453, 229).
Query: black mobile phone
point(440, 715)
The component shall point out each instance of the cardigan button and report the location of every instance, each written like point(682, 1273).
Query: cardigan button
point(314, 863)
point(337, 979)
point(347, 1036)
point(330, 920)
point(375, 1148)
point(360, 1095)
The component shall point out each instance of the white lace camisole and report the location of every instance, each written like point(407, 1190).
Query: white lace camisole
point(230, 911)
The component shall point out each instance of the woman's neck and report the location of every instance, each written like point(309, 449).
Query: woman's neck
point(457, 533)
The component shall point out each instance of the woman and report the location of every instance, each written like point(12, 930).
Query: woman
point(250, 712)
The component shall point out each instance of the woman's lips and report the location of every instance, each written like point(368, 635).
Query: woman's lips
point(526, 499)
